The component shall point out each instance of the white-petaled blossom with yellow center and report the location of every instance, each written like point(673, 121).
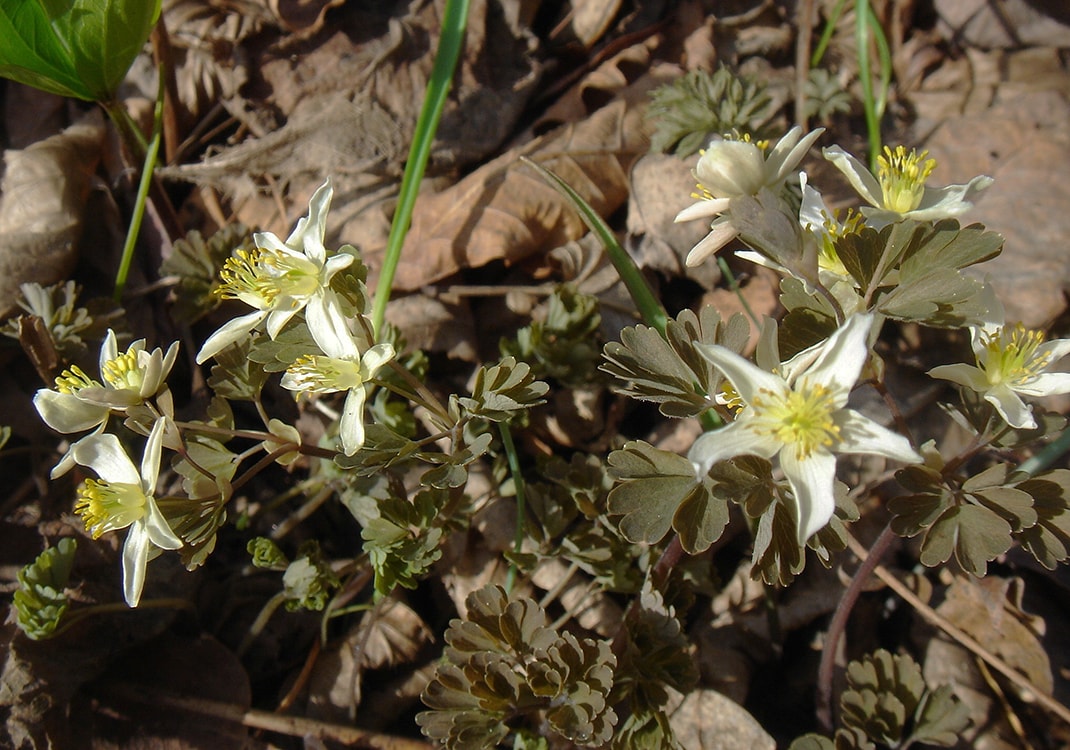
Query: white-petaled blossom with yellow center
point(730, 169)
point(800, 415)
point(899, 191)
point(123, 497)
point(80, 402)
point(279, 279)
point(341, 368)
point(1011, 361)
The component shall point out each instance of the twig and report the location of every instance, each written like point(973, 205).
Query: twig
point(963, 638)
point(292, 726)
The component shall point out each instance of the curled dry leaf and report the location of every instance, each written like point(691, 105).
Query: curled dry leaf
point(42, 206)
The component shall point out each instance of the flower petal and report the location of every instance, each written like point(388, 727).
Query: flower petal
point(329, 328)
point(105, 455)
point(1011, 407)
point(157, 528)
point(727, 442)
point(789, 151)
point(747, 378)
point(310, 231)
point(703, 209)
point(965, 375)
point(721, 233)
point(150, 460)
point(230, 333)
point(1052, 351)
point(1045, 384)
point(945, 202)
point(109, 349)
point(135, 558)
point(65, 412)
point(811, 481)
point(351, 425)
point(375, 358)
point(841, 358)
point(860, 178)
point(860, 434)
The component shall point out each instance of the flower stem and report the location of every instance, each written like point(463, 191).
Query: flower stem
point(839, 623)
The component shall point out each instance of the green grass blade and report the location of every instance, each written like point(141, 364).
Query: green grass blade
point(454, 21)
point(648, 305)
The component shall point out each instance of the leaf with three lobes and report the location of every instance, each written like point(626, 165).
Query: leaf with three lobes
point(1049, 539)
point(653, 485)
point(973, 533)
point(669, 370)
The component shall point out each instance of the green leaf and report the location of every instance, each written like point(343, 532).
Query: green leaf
point(653, 484)
point(196, 262)
point(40, 601)
point(668, 370)
point(973, 533)
point(777, 556)
point(940, 718)
point(812, 742)
point(80, 48)
point(235, 376)
point(1049, 539)
point(502, 390)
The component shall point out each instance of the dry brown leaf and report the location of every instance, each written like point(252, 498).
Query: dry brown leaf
point(434, 325)
point(302, 16)
point(390, 634)
point(42, 205)
point(591, 19)
point(989, 611)
point(505, 211)
point(707, 720)
point(660, 188)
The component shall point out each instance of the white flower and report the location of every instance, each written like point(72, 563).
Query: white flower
point(730, 169)
point(801, 416)
point(279, 279)
point(899, 192)
point(1011, 362)
point(343, 368)
point(81, 403)
point(123, 497)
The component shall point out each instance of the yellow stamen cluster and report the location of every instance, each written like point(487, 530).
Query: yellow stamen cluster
point(315, 374)
point(801, 419)
point(1012, 355)
point(735, 135)
point(123, 372)
point(73, 380)
point(106, 506)
point(297, 275)
point(244, 276)
point(902, 177)
point(853, 223)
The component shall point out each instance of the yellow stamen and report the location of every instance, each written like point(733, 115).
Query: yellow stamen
point(73, 380)
point(801, 418)
point(902, 177)
point(106, 506)
point(1012, 355)
point(123, 372)
point(317, 374)
point(244, 277)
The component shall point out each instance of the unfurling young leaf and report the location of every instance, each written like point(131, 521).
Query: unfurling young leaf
point(564, 345)
point(699, 106)
point(40, 601)
point(196, 262)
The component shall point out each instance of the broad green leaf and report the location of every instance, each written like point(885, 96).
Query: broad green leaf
point(939, 296)
point(653, 484)
point(79, 48)
point(973, 533)
point(701, 518)
point(777, 556)
point(503, 389)
point(812, 742)
point(1049, 540)
point(912, 514)
point(946, 244)
point(940, 718)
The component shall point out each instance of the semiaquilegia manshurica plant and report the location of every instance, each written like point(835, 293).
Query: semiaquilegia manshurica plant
point(398, 455)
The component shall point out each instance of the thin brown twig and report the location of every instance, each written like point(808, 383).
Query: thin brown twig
point(292, 726)
point(959, 635)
